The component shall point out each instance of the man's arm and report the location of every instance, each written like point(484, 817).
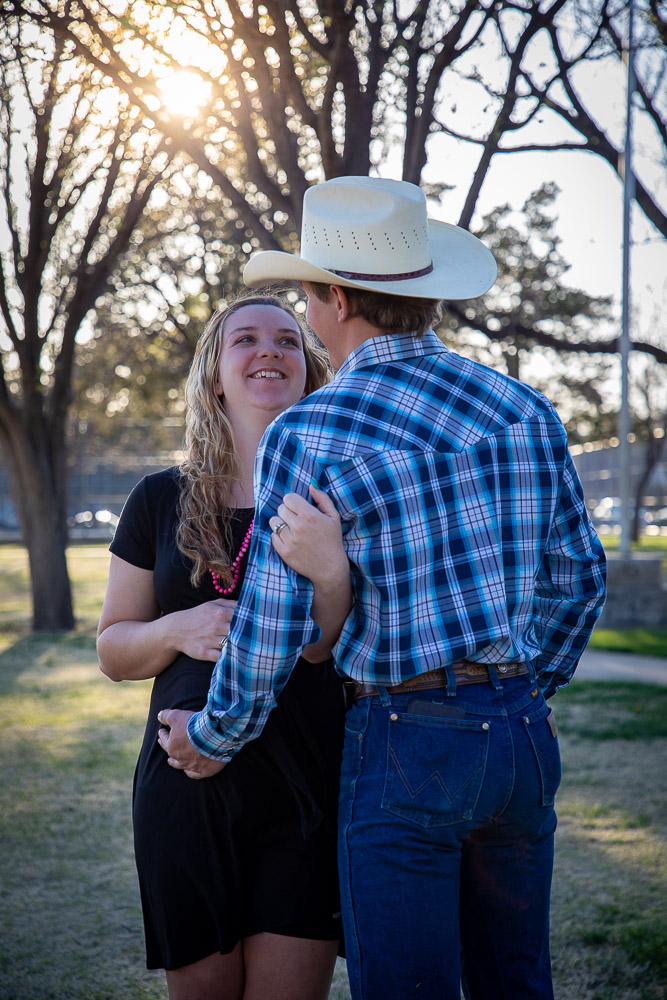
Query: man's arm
point(272, 622)
point(570, 587)
point(311, 544)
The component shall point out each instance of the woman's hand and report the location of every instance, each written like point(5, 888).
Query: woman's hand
point(173, 738)
point(312, 544)
point(135, 642)
point(198, 632)
point(312, 541)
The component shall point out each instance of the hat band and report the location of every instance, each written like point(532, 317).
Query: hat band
point(404, 276)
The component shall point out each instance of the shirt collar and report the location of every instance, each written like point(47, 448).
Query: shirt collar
point(391, 347)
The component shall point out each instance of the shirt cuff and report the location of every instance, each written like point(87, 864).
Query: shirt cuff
point(209, 742)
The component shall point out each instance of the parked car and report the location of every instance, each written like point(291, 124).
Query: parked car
point(607, 511)
point(657, 517)
point(101, 524)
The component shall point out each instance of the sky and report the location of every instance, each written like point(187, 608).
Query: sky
point(589, 208)
point(590, 224)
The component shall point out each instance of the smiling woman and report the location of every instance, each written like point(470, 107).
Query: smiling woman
point(237, 873)
point(261, 360)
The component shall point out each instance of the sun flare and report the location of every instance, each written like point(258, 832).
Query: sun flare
point(184, 92)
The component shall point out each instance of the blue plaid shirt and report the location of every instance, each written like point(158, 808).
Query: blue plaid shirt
point(464, 523)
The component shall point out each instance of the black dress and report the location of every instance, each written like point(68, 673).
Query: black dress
point(254, 848)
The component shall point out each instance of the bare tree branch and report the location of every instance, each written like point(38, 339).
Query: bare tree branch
point(534, 335)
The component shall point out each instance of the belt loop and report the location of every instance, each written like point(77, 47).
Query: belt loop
point(494, 680)
point(383, 695)
point(451, 680)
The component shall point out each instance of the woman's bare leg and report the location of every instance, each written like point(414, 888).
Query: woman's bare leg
point(287, 968)
point(217, 977)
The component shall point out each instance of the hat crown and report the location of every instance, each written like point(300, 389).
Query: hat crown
point(374, 233)
point(365, 225)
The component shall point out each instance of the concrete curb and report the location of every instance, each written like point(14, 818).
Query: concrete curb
point(603, 665)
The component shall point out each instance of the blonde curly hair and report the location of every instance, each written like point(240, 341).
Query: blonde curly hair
point(211, 465)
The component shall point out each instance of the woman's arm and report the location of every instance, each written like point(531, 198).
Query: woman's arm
point(312, 544)
point(134, 642)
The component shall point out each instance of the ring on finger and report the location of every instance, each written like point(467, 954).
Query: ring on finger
point(223, 641)
point(278, 528)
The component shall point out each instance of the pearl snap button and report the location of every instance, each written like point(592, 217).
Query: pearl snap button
point(485, 725)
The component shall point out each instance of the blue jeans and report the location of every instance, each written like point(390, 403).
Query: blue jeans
point(446, 832)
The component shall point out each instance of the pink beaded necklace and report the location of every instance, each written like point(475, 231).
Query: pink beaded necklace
point(236, 565)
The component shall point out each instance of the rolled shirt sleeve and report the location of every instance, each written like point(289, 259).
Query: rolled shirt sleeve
point(271, 624)
point(569, 588)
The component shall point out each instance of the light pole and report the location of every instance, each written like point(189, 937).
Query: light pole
point(628, 196)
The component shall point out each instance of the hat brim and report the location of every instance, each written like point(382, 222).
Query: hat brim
point(463, 268)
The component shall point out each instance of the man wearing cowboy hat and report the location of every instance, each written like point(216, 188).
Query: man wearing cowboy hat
point(477, 580)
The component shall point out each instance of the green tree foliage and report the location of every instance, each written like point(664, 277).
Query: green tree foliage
point(303, 91)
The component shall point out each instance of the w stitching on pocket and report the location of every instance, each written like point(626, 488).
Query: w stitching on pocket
point(434, 770)
point(434, 776)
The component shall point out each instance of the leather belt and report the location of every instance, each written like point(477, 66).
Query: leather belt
point(465, 672)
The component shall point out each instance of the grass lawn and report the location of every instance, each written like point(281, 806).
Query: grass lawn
point(70, 922)
point(640, 641)
point(647, 543)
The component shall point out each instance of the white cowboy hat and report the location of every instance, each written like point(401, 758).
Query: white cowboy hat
point(368, 232)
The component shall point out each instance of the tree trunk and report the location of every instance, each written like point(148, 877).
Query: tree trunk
point(654, 447)
point(38, 476)
point(513, 361)
point(51, 591)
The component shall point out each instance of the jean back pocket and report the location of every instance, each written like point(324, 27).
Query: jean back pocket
point(435, 768)
point(542, 733)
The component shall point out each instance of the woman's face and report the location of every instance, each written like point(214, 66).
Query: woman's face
point(262, 366)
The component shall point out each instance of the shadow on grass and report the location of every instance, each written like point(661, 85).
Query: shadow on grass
point(43, 649)
point(608, 902)
point(643, 940)
point(70, 742)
